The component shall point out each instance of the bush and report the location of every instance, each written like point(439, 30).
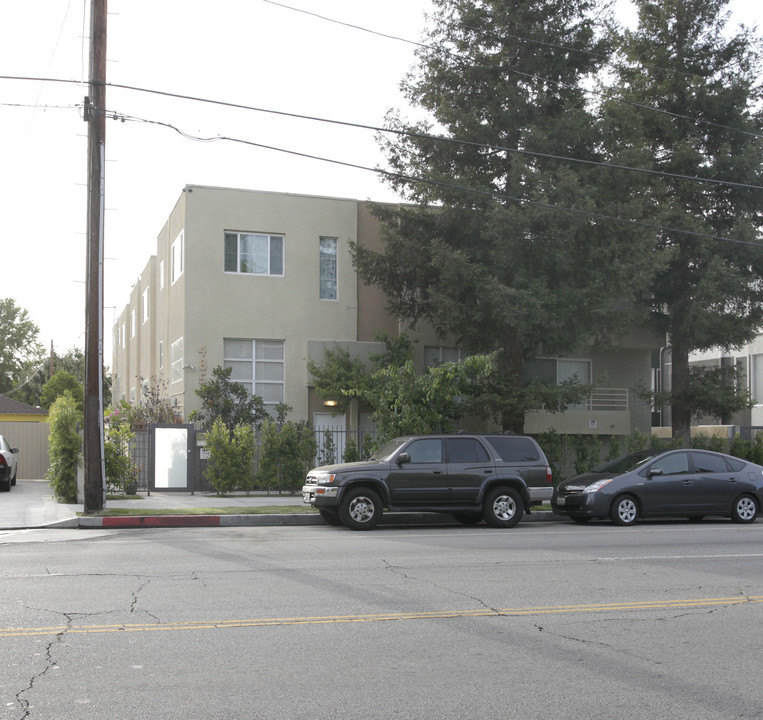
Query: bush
point(231, 455)
point(286, 456)
point(120, 469)
point(65, 447)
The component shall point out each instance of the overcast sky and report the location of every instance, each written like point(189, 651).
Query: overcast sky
point(249, 52)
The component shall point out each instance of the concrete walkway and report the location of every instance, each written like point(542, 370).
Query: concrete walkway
point(30, 505)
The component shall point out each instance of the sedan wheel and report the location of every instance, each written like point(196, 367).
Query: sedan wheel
point(745, 509)
point(624, 510)
point(361, 509)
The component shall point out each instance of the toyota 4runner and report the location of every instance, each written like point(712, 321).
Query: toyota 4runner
point(473, 477)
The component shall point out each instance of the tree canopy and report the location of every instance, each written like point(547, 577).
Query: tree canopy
point(480, 253)
point(20, 351)
point(687, 102)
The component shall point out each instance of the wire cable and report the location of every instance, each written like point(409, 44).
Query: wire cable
point(411, 178)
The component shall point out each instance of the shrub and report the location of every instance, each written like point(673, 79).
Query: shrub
point(65, 447)
point(230, 457)
point(120, 469)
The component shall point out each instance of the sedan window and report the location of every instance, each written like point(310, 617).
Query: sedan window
point(706, 463)
point(672, 464)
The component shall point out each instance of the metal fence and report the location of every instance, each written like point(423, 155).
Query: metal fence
point(335, 442)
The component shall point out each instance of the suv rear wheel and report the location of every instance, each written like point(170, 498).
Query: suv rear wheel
point(502, 508)
point(361, 509)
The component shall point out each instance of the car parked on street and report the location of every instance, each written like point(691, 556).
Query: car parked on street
point(8, 465)
point(677, 483)
point(495, 478)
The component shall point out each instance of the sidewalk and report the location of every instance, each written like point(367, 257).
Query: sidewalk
point(30, 505)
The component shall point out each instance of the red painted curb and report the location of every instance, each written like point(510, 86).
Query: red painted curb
point(163, 521)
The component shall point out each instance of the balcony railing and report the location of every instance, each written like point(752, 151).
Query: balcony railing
point(602, 399)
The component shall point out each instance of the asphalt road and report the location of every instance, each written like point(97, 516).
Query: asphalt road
point(547, 620)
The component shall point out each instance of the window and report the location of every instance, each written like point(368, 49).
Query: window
point(757, 379)
point(466, 450)
point(161, 354)
point(328, 268)
point(176, 259)
point(161, 274)
point(176, 361)
point(514, 449)
point(145, 305)
point(122, 333)
point(425, 451)
point(704, 463)
point(254, 253)
point(435, 356)
point(133, 321)
point(258, 365)
point(673, 464)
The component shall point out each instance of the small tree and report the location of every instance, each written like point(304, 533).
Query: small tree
point(231, 455)
point(229, 401)
point(120, 469)
point(328, 451)
point(65, 446)
point(60, 383)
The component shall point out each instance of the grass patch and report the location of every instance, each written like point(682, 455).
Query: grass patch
point(264, 510)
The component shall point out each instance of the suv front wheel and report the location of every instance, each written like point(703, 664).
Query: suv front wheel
point(502, 508)
point(360, 509)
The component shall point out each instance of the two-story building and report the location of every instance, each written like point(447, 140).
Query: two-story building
point(261, 281)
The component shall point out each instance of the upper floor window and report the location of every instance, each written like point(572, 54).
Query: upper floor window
point(145, 305)
point(161, 274)
point(133, 321)
point(176, 259)
point(254, 253)
point(328, 268)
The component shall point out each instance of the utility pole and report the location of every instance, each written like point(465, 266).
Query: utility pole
point(95, 108)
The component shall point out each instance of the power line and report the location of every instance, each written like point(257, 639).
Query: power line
point(541, 43)
point(439, 138)
point(437, 183)
point(407, 133)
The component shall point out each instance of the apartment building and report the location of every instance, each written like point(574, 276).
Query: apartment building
point(260, 281)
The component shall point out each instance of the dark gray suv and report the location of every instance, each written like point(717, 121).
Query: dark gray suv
point(473, 477)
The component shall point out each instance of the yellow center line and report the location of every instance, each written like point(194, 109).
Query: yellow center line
point(381, 617)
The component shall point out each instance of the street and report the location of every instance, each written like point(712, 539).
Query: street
point(545, 620)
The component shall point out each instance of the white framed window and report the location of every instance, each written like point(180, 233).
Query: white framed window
point(258, 365)
point(435, 355)
point(558, 370)
point(133, 321)
point(254, 253)
point(176, 259)
point(176, 361)
point(161, 354)
point(328, 256)
point(122, 333)
point(161, 274)
point(145, 305)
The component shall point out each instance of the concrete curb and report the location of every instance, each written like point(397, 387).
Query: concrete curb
point(262, 520)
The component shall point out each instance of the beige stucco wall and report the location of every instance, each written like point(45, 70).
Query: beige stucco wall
point(222, 305)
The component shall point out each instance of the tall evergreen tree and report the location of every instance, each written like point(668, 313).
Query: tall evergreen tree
point(684, 103)
point(483, 251)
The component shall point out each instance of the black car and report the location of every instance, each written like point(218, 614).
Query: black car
point(472, 477)
point(686, 483)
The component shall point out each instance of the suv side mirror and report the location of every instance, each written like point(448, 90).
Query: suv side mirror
point(403, 458)
point(655, 471)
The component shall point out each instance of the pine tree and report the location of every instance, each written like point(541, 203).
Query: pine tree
point(484, 251)
point(684, 103)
